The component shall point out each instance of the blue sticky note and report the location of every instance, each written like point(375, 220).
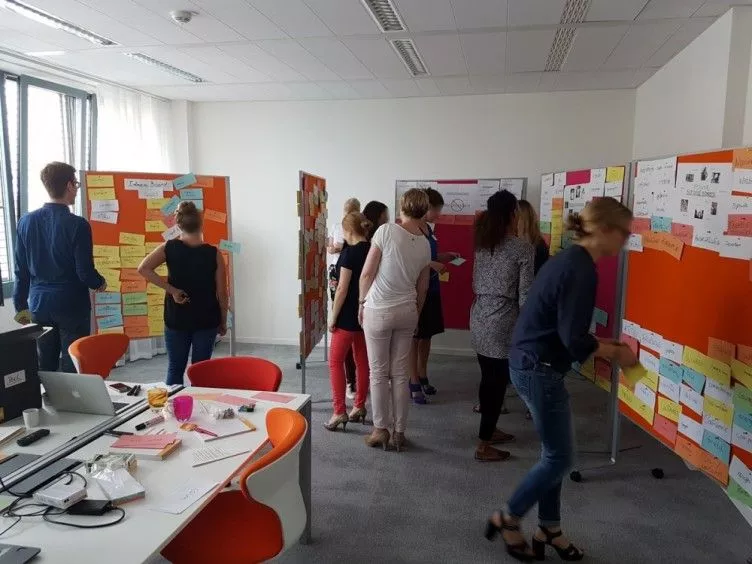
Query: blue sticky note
point(660, 223)
point(107, 298)
point(600, 316)
point(192, 194)
point(744, 420)
point(670, 370)
point(184, 181)
point(170, 207)
point(225, 245)
point(694, 379)
point(110, 321)
point(101, 310)
point(199, 204)
point(716, 446)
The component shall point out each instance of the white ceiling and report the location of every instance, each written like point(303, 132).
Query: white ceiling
point(332, 49)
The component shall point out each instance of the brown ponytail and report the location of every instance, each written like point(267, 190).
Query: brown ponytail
point(601, 213)
point(188, 218)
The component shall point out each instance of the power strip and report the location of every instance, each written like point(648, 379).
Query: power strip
point(61, 496)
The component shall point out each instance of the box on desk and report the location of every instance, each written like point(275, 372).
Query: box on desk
point(19, 379)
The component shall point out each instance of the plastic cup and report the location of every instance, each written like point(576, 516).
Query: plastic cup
point(182, 407)
point(156, 397)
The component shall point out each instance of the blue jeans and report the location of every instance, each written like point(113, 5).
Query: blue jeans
point(543, 391)
point(66, 328)
point(179, 343)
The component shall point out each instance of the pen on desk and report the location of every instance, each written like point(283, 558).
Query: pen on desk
point(150, 423)
point(117, 433)
point(247, 423)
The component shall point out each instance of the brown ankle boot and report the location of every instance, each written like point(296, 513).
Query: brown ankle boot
point(486, 453)
point(378, 437)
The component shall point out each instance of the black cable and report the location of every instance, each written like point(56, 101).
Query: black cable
point(111, 507)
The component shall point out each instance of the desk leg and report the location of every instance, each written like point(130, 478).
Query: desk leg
point(305, 474)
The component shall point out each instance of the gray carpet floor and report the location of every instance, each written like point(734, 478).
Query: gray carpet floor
point(430, 504)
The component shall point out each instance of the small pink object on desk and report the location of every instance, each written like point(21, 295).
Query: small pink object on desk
point(145, 441)
point(182, 407)
point(231, 400)
point(271, 396)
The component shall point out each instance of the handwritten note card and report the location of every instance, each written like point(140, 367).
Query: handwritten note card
point(192, 194)
point(184, 181)
point(99, 181)
point(132, 239)
point(229, 246)
point(101, 194)
point(213, 215)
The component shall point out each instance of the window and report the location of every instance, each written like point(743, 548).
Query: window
point(41, 122)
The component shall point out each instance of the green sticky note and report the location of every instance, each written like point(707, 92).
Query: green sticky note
point(735, 491)
point(135, 309)
point(545, 226)
point(134, 298)
point(742, 398)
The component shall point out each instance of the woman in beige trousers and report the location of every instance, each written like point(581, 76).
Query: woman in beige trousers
point(393, 288)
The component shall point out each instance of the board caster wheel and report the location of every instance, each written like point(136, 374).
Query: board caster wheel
point(657, 473)
point(575, 476)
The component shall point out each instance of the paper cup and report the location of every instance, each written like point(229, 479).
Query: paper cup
point(31, 417)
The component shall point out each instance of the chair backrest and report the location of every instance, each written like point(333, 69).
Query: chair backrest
point(236, 372)
point(273, 479)
point(97, 354)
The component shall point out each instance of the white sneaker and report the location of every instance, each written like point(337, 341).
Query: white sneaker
point(350, 393)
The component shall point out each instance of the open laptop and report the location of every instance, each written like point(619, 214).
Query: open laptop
point(79, 393)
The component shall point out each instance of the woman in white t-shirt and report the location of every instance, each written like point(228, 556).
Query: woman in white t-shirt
point(393, 289)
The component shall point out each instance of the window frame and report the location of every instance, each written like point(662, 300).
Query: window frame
point(15, 208)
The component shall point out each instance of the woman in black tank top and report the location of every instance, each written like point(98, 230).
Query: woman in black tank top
point(195, 306)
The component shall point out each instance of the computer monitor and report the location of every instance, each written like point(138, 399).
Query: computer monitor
point(19, 377)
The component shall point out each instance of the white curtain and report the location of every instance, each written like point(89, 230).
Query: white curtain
point(134, 132)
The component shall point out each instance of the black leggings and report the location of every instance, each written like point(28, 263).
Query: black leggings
point(350, 368)
point(494, 377)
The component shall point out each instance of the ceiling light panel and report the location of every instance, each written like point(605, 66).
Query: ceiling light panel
point(140, 57)
point(406, 50)
point(385, 14)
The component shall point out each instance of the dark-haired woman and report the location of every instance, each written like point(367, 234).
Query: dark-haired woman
point(195, 306)
point(377, 213)
point(502, 275)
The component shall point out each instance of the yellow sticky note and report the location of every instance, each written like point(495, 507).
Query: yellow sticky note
point(114, 286)
point(151, 247)
point(719, 410)
point(154, 226)
point(444, 277)
point(669, 409)
point(634, 374)
point(614, 173)
point(155, 300)
point(627, 396)
point(132, 239)
point(110, 275)
point(710, 367)
point(130, 262)
point(156, 327)
point(133, 251)
point(742, 373)
point(154, 289)
point(102, 194)
point(156, 204)
point(111, 330)
point(107, 262)
point(650, 380)
point(156, 311)
point(161, 270)
point(111, 251)
point(100, 181)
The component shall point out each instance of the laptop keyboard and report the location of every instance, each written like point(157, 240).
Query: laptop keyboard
point(119, 406)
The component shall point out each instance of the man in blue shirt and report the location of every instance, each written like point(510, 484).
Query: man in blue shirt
point(55, 269)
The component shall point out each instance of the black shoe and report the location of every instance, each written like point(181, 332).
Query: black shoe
point(517, 551)
point(571, 553)
point(428, 389)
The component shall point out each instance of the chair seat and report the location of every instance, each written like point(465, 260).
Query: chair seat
point(228, 529)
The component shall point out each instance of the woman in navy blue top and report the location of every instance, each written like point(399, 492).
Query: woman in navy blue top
point(552, 331)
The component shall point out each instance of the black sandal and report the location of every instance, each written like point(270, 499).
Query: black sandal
point(570, 553)
point(517, 551)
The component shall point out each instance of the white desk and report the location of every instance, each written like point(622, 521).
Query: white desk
point(145, 531)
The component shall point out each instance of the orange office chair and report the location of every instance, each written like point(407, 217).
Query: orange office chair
point(97, 354)
point(262, 519)
point(236, 372)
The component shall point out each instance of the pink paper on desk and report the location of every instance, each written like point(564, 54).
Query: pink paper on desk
point(157, 442)
point(231, 400)
point(271, 396)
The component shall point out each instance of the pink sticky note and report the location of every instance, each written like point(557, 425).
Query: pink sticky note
point(740, 224)
point(271, 396)
point(665, 428)
point(232, 400)
point(744, 354)
point(631, 342)
point(683, 232)
point(641, 225)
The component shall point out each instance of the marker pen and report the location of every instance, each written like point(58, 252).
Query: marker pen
point(150, 423)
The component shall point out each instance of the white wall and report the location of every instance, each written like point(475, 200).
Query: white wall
point(361, 148)
point(682, 107)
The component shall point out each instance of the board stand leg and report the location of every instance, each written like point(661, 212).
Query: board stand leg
point(301, 365)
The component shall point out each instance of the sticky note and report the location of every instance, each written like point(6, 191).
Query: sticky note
point(99, 181)
point(169, 207)
point(104, 216)
point(213, 215)
point(721, 350)
point(666, 428)
point(690, 428)
point(130, 274)
point(741, 438)
point(695, 380)
point(154, 289)
point(600, 316)
point(156, 326)
point(204, 181)
point(114, 286)
point(109, 321)
point(156, 310)
point(692, 399)
point(741, 372)
point(156, 203)
point(154, 300)
point(136, 321)
point(132, 251)
point(229, 246)
point(688, 450)
point(184, 181)
point(651, 340)
point(719, 410)
point(633, 374)
point(631, 342)
point(650, 361)
point(714, 467)
point(645, 394)
point(670, 370)
point(111, 330)
point(161, 270)
point(171, 233)
point(660, 224)
point(154, 226)
point(669, 409)
point(672, 351)
point(718, 392)
point(650, 379)
point(192, 194)
point(138, 332)
point(107, 298)
point(743, 419)
point(742, 398)
point(710, 367)
point(735, 491)
point(130, 262)
point(132, 239)
point(133, 286)
point(110, 275)
point(101, 310)
point(106, 262)
point(101, 193)
point(134, 309)
point(444, 277)
point(134, 298)
point(150, 247)
point(627, 396)
point(669, 388)
point(614, 173)
point(111, 251)
point(153, 215)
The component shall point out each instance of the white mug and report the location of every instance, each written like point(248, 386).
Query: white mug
point(31, 417)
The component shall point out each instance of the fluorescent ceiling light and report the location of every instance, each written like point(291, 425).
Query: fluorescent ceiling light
point(385, 14)
point(45, 53)
point(165, 67)
point(408, 52)
point(53, 21)
point(574, 12)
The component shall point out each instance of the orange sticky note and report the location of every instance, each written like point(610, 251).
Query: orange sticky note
point(137, 332)
point(153, 215)
point(688, 450)
point(721, 350)
point(204, 182)
point(133, 286)
point(683, 232)
point(742, 158)
point(130, 321)
point(671, 245)
point(744, 354)
point(130, 274)
point(651, 240)
point(713, 467)
point(213, 215)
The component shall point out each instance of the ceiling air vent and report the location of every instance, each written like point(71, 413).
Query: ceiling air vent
point(574, 12)
point(407, 51)
point(385, 14)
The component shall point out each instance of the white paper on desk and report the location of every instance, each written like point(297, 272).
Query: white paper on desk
point(185, 495)
point(207, 455)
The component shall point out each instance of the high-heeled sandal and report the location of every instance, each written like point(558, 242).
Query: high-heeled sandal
point(398, 441)
point(378, 437)
point(335, 422)
point(517, 551)
point(570, 554)
point(416, 393)
point(428, 389)
point(358, 415)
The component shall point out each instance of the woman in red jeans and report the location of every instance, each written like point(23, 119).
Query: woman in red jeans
point(347, 334)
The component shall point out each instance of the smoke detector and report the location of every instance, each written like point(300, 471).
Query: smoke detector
point(182, 16)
